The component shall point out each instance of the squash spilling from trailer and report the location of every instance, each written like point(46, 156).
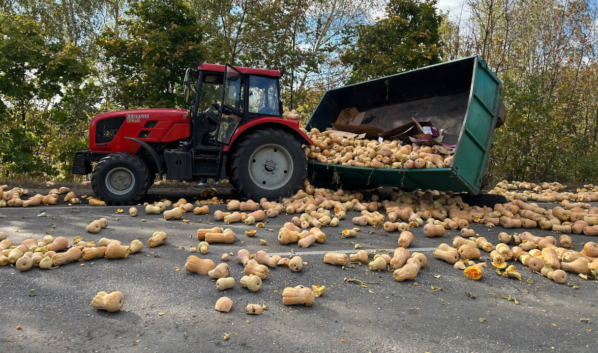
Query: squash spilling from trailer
point(458, 100)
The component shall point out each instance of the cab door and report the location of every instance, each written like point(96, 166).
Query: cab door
point(233, 105)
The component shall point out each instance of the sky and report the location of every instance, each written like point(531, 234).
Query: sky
point(453, 6)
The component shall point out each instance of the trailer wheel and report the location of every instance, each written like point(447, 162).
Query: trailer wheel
point(120, 179)
point(268, 163)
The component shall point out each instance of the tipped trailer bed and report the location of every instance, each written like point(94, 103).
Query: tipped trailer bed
point(462, 97)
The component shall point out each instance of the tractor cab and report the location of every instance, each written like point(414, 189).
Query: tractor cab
point(226, 97)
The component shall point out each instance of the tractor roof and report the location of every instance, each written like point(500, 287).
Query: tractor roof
point(245, 70)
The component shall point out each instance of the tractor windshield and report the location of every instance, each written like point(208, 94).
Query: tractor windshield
point(263, 95)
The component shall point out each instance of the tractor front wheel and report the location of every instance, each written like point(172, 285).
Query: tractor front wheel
point(120, 179)
point(269, 164)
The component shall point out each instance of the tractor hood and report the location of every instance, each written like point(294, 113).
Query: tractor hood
point(112, 132)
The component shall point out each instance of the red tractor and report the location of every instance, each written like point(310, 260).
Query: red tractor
point(233, 129)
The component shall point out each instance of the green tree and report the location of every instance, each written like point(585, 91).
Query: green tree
point(148, 53)
point(35, 74)
point(407, 39)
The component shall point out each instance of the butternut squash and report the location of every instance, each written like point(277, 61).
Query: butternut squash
point(201, 210)
point(483, 244)
point(24, 263)
point(509, 223)
point(459, 241)
point(577, 266)
point(200, 266)
point(469, 252)
point(550, 257)
point(158, 238)
point(112, 302)
point(94, 227)
point(299, 295)
point(565, 241)
point(93, 253)
point(286, 236)
point(243, 256)
point(175, 213)
point(262, 258)
point(559, 276)
point(295, 264)
point(318, 234)
point(409, 271)
point(405, 239)
point(227, 237)
point(224, 304)
point(400, 257)
point(474, 272)
point(361, 257)
point(590, 249)
point(152, 209)
point(106, 241)
point(73, 254)
point(548, 241)
point(232, 218)
point(536, 263)
point(117, 251)
point(220, 271)
point(253, 309)
point(201, 233)
point(251, 282)
point(336, 259)
point(253, 268)
point(421, 257)
point(431, 230)
point(225, 283)
point(450, 256)
point(219, 215)
point(504, 238)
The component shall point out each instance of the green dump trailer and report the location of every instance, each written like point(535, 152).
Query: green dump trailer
point(461, 97)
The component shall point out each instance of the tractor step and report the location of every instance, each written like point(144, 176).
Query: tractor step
point(81, 165)
point(206, 157)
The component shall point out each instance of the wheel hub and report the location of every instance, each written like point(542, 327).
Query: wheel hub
point(270, 166)
point(120, 181)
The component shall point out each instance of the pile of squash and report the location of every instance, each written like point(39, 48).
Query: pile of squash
point(13, 197)
point(178, 208)
point(331, 149)
point(406, 266)
point(546, 192)
point(540, 254)
point(256, 268)
point(49, 252)
point(433, 210)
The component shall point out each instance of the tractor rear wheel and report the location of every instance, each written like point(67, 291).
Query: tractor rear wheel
point(120, 179)
point(268, 163)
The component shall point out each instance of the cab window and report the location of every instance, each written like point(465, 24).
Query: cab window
point(263, 95)
point(211, 91)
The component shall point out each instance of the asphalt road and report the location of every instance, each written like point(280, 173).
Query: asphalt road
point(53, 306)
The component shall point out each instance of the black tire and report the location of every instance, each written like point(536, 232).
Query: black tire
point(483, 199)
point(124, 162)
point(243, 180)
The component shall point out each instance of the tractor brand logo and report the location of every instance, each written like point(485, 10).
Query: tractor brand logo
point(135, 118)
